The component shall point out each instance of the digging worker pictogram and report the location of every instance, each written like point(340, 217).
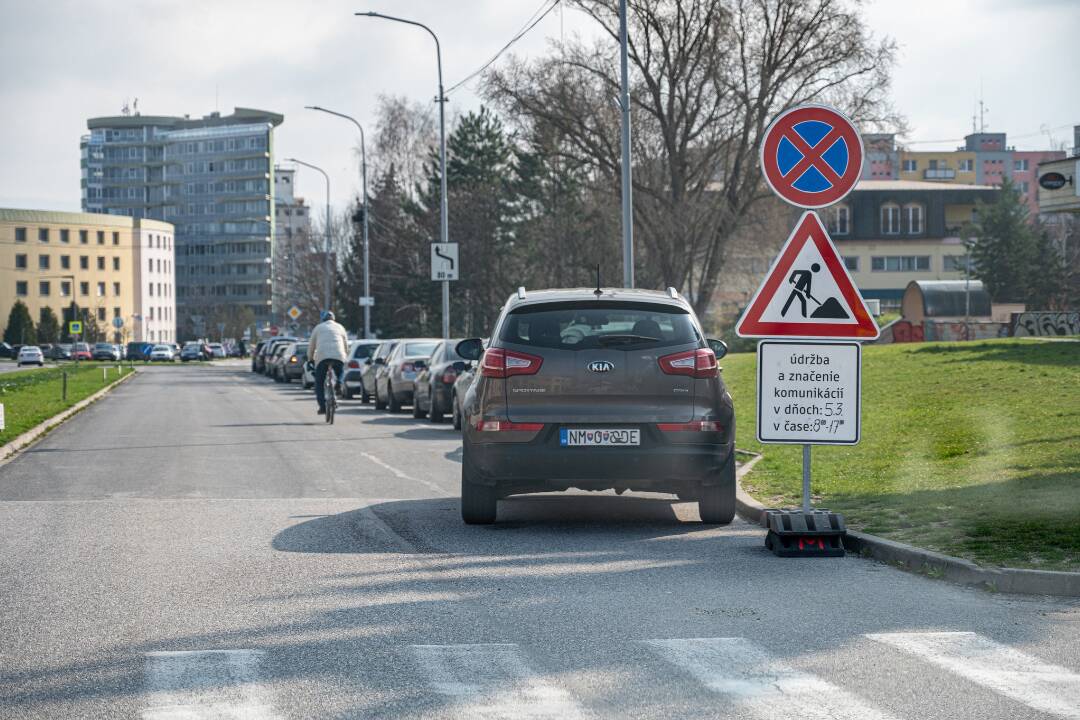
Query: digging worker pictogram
point(801, 279)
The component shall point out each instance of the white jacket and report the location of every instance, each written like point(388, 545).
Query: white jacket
point(328, 341)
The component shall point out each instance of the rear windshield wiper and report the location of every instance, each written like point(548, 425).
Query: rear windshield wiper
point(625, 339)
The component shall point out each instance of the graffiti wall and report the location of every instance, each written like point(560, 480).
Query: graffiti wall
point(1043, 324)
point(952, 330)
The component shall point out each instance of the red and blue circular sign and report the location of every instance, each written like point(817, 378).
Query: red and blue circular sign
point(812, 156)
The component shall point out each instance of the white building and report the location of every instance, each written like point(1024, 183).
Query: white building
point(155, 280)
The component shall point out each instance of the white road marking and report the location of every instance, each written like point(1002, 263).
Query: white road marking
point(399, 474)
point(763, 686)
point(1026, 679)
point(489, 681)
point(205, 684)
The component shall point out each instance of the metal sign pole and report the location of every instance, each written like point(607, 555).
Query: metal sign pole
point(806, 478)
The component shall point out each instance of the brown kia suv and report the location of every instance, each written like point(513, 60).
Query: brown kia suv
point(597, 389)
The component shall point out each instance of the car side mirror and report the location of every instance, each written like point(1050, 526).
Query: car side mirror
point(719, 347)
point(367, 361)
point(470, 349)
point(419, 364)
point(380, 361)
point(460, 366)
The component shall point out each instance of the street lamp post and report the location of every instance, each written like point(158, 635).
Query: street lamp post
point(326, 267)
point(627, 189)
point(363, 182)
point(443, 223)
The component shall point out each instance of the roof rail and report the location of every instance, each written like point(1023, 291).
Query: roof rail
point(672, 292)
point(521, 293)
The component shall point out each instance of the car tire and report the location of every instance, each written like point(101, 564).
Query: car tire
point(365, 398)
point(436, 413)
point(379, 404)
point(456, 412)
point(346, 393)
point(716, 503)
point(392, 402)
point(479, 503)
point(417, 411)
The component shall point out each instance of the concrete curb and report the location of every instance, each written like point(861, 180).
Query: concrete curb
point(30, 436)
point(929, 563)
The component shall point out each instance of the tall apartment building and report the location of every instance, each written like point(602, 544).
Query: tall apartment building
point(292, 225)
point(984, 159)
point(212, 178)
point(108, 266)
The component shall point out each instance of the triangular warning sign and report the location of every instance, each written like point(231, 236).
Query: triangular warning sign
point(808, 292)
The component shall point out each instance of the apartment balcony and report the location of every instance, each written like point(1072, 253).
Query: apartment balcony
point(939, 174)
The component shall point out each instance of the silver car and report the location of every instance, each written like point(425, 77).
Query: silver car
point(394, 380)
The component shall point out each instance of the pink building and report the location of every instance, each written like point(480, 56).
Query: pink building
point(1025, 173)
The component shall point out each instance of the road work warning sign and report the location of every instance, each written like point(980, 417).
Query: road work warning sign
point(809, 393)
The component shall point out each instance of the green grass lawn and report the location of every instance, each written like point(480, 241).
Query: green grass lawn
point(32, 396)
point(972, 449)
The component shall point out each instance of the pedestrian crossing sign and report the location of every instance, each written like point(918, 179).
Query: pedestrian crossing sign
point(75, 327)
point(808, 292)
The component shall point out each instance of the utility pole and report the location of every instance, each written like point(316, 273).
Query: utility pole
point(363, 182)
point(444, 232)
point(328, 275)
point(627, 195)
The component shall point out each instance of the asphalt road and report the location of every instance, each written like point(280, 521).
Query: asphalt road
point(200, 545)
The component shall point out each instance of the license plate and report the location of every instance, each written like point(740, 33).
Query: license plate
point(569, 437)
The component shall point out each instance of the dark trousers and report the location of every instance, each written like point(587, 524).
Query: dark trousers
point(320, 379)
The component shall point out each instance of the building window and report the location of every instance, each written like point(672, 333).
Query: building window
point(65, 262)
point(151, 287)
point(116, 312)
point(101, 289)
point(65, 288)
point(20, 262)
point(150, 265)
point(1023, 187)
point(43, 234)
point(101, 314)
point(20, 234)
point(100, 263)
point(890, 218)
point(100, 237)
point(116, 263)
point(116, 289)
point(900, 263)
point(954, 263)
point(913, 218)
point(65, 236)
point(84, 236)
point(116, 238)
point(21, 288)
point(839, 219)
point(84, 288)
point(967, 165)
point(43, 288)
point(43, 262)
point(851, 262)
point(1020, 165)
point(911, 165)
point(84, 262)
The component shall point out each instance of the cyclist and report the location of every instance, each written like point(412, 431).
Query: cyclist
point(327, 347)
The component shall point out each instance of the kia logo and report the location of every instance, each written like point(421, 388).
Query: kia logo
point(601, 366)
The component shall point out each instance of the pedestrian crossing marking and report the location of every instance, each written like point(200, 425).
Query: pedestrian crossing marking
point(489, 681)
point(205, 685)
point(1040, 685)
point(764, 686)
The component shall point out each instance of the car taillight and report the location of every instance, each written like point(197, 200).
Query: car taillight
point(505, 426)
point(696, 426)
point(449, 377)
point(407, 367)
point(499, 363)
point(354, 365)
point(700, 363)
point(292, 359)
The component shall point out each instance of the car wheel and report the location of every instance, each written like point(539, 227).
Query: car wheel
point(436, 413)
point(364, 397)
point(479, 503)
point(456, 412)
point(346, 393)
point(716, 503)
point(417, 412)
point(379, 404)
point(392, 401)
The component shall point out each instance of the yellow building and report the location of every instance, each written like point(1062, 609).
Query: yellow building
point(109, 266)
point(956, 166)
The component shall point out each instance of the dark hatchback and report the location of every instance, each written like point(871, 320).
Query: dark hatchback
point(433, 387)
point(617, 390)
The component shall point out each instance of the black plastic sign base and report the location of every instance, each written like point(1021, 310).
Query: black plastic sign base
point(805, 533)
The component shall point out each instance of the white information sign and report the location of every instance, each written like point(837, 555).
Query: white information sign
point(365, 301)
point(444, 261)
point(809, 392)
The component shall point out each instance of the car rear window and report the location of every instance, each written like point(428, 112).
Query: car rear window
point(414, 349)
point(590, 325)
point(363, 352)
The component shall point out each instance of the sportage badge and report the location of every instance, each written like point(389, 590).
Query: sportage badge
point(601, 366)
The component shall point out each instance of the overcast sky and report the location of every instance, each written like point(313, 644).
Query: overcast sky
point(66, 61)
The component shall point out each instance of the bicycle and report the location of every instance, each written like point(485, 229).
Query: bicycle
point(329, 393)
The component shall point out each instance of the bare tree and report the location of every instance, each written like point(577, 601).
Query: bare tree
point(707, 78)
point(405, 132)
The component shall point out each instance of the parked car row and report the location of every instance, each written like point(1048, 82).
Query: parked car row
point(590, 389)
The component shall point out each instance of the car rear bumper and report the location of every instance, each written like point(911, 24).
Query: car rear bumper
point(544, 464)
point(353, 379)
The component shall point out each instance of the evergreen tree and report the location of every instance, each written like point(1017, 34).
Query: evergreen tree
point(20, 326)
point(48, 330)
point(1048, 277)
point(1005, 248)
